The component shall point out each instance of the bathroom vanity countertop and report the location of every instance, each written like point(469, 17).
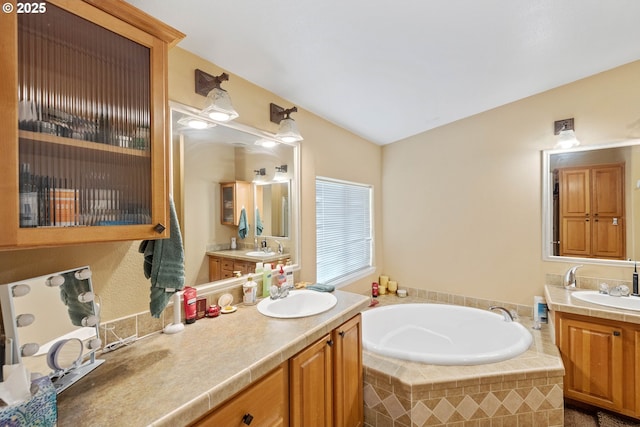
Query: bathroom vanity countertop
point(241, 254)
point(171, 380)
point(559, 299)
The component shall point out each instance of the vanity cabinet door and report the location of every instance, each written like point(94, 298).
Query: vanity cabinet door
point(348, 375)
point(265, 403)
point(311, 385)
point(593, 360)
point(327, 380)
point(84, 124)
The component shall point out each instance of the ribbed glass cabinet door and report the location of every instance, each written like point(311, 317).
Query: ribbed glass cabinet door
point(84, 125)
point(84, 119)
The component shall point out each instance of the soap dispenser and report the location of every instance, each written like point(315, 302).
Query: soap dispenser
point(266, 280)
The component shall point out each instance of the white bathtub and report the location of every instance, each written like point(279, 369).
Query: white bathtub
point(442, 334)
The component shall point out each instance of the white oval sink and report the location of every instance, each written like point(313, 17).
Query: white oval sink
point(299, 303)
point(260, 253)
point(595, 297)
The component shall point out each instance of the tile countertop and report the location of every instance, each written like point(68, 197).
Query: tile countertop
point(171, 380)
point(241, 254)
point(559, 299)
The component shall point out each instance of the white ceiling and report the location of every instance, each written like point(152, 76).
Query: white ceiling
point(389, 69)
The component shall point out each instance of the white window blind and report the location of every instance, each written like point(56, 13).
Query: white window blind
point(343, 229)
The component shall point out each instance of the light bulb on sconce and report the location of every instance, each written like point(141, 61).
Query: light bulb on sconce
point(288, 131)
point(281, 173)
point(566, 135)
point(260, 175)
point(218, 106)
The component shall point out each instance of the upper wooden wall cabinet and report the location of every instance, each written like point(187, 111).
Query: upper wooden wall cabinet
point(84, 123)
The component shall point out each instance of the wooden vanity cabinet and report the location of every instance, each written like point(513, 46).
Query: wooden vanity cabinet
point(84, 124)
point(592, 211)
point(264, 403)
point(222, 268)
point(326, 380)
point(600, 359)
point(321, 385)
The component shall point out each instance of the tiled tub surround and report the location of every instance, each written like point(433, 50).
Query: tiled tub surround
point(171, 380)
point(523, 391)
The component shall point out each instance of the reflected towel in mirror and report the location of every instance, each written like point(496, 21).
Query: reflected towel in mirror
point(243, 226)
point(164, 265)
point(259, 226)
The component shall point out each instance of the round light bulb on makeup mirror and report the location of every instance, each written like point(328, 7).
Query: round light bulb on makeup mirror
point(86, 297)
point(83, 274)
point(54, 281)
point(20, 290)
point(25, 319)
point(90, 320)
point(94, 344)
point(29, 349)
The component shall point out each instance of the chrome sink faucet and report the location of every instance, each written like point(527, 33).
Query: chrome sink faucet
point(280, 248)
point(276, 292)
point(569, 280)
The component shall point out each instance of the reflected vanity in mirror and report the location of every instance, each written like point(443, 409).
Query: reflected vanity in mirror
point(218, 170)
point(51, 325)
point(591, 198)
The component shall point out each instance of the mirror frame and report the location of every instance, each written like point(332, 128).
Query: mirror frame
point(547, 213)
point(294, 187)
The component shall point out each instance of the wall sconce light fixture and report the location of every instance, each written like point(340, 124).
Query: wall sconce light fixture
point(218, 105)
point(566, 135)
point(288, 131)
point(260, 173)
point(281, 173)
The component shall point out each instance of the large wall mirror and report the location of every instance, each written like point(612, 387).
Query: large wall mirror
point(205, 158)
point(591, 204)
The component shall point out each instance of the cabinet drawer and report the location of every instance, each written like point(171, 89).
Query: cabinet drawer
point(266, 401)
point(226, 264)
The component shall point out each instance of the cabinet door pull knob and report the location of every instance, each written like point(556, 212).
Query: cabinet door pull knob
point(330, 343)
point(159, 228)
point(616, 333)
point(247, 418)
point(341, 333)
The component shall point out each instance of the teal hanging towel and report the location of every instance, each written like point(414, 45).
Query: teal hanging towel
point(243, 226)
point(259, 226)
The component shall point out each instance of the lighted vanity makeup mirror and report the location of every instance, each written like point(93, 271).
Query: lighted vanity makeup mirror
point(607, 174)
point(51, 324)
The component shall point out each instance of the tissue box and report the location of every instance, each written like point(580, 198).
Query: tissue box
point(40, 410)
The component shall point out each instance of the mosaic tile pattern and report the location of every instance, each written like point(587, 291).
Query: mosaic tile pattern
point(524, 391)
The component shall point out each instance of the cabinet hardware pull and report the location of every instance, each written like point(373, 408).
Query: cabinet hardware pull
point(330, 343)
point(341, 333)
point(159, 228)
point(616, 333)
point(247, 418)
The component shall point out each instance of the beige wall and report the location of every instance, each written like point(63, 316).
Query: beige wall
point(327, 150)
point(462, 203)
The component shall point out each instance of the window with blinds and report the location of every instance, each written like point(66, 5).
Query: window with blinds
point(343, 229)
